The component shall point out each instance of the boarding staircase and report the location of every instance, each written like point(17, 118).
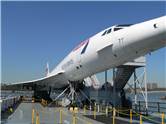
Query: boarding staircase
point(106, 93)
point(124, 72)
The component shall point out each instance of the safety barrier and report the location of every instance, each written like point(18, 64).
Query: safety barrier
point(33, 115)
point(9, 103)
point(75, 118)
point(94, 112)
point(62, 113)
point(37, 118)
point(152, 106)
point(162, 117)
point(141, 117)
point(115, 111)
point(131, 116)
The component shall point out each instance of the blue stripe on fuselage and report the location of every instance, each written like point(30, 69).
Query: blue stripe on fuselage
point(84, 49)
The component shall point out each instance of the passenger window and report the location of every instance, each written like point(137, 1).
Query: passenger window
point(109, 31)
point(116, 29)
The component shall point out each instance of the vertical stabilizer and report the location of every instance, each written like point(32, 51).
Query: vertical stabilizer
point(47, 69)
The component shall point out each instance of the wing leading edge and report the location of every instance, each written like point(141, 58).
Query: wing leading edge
point(56, 81)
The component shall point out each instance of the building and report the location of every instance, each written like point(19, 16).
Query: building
point(152, 86)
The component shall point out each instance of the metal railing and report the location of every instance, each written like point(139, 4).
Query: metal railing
point(73, 114)
point(159, 107)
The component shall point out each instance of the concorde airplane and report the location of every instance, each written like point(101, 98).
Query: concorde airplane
point(107, 49)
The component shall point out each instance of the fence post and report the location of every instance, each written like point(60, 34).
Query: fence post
point(141, 118)
point(84, 109)
point(90, 108)
point(33, 99)
point(60, 115)
point(94, 113)
point(131, 116)
point(37, 118)
point(33, 113)
point(136, 109)
point(98, 108)
point(162, 118)
point(158, 106)
point(74, 118)
point(106, 111)
point(139, 106)
point(113, 118)
point(55, 116)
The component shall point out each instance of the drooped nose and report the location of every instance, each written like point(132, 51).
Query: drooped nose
point(163, 24)
point(159, 27)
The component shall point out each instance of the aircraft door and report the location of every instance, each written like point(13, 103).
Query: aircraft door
point(119, 46)
point(121, 42)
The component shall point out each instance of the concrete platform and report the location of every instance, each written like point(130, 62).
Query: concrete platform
point(23, 115)
point(51, 115)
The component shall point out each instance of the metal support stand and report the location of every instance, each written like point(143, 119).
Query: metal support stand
point(85, 96)
point(114, 88)
point(106, 80)
point(143, 92)
point(106, 76)
point(146, 95)
point(62, 93)
point(72, 92)
point(135, 91)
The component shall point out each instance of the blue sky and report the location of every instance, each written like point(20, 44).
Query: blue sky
point(36, 32)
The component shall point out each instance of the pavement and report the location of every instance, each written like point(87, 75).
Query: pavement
point(47, 115)
point(51, 115)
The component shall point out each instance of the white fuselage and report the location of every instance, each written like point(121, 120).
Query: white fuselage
point(102, 52)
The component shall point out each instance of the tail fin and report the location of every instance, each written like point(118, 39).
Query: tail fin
point(47, 69)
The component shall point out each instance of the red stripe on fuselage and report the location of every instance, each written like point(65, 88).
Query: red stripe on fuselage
point(80, 45)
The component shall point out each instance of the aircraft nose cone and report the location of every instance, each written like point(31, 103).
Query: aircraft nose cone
point(162, 28)
point(164, 21)
point(164, 32)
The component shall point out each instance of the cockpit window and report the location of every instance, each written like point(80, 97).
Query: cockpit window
point(124, 25)
point(116, 29)
point(109, 31)
point(104, 33)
